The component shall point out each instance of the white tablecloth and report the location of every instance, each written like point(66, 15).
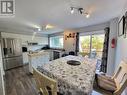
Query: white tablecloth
point(72, 80)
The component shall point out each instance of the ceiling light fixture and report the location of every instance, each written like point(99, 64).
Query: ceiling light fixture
point(87, 15)
point(48, 26)
point(39, 29)
point(80, 10)
point(72, 10)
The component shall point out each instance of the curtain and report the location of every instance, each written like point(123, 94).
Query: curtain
point(77, 44)
point(105, 51)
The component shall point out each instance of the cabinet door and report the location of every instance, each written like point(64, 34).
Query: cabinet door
point(25, 58)
point(12, 62)
point(56, 55)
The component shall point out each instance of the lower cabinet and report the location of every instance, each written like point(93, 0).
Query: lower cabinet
point(25, 58)
point(38, 60)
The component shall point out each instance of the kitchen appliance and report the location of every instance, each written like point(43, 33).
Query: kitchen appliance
point(12, 53)
point(24, 49)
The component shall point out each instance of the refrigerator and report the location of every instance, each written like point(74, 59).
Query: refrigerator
point(11, 53)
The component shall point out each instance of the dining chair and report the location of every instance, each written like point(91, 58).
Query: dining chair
point(63, 55)
point(72, 53)
point(115, 84)
point(44, 84)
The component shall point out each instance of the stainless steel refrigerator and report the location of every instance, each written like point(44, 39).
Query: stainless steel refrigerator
point(12, 53)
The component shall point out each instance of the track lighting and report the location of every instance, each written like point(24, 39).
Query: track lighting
point(80, 10)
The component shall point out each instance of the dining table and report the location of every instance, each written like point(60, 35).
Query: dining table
point(71, 79)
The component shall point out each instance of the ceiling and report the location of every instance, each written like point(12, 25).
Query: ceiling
point(30, 14)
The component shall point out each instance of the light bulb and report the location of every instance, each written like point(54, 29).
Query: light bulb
point(48, 26)
point(87, 15)
point(39, 29)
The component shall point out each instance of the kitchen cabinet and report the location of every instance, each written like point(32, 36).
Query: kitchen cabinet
point(25, 58)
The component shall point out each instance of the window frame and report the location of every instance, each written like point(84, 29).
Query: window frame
point(101, 32)
point(53, 47)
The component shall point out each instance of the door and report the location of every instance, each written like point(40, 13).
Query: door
point(17, 47)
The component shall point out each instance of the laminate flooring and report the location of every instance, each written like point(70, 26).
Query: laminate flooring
point(18, 81)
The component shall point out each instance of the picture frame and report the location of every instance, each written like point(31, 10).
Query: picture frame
point(125, 25)
point(121, 25)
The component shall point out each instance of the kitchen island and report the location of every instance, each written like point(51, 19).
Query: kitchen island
point(72, 80)
point(39, 58)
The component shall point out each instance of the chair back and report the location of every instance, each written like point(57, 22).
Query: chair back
point(45, 85)
point(120, 78)
point(71, 53)
point(63, 55)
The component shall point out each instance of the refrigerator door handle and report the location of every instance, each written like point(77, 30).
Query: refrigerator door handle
point(10, 50)
point(12, 47)
point(5, 51)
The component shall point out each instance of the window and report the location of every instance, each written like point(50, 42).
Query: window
point(97, 45)
point(91, 45)
point(56, 42)
point(84, 45)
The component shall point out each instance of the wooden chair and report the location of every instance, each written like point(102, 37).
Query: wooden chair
point(72, 53)
point(45, 85)
point(117, 83)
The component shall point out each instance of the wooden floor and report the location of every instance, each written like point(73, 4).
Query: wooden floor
point(20, 82)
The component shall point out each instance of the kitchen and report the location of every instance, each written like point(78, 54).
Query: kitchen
point(33, 51)
point(70, 47)
point(29, 49)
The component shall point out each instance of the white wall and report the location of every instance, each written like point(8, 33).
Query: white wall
point(121, 50)
point(69, 43)
point(112, 51)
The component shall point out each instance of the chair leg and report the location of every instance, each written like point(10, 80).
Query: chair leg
point(96, 79)
point(40, 93)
